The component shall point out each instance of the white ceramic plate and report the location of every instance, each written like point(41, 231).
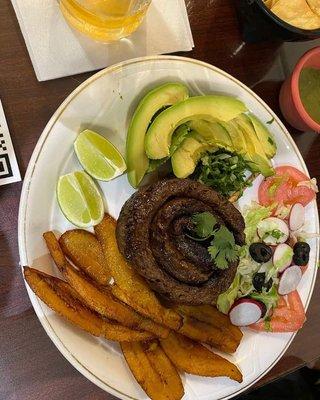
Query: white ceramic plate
point(105, 103)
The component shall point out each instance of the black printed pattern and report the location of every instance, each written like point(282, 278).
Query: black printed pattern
point(5, 166)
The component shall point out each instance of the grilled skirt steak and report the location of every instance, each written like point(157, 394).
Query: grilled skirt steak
point(152, 234)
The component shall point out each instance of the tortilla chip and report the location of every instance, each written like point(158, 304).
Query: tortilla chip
point(270, 3)
point(296, 13)
point(315, 6)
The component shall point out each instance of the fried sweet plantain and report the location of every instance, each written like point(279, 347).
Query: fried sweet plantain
point(194, 358)
point(130, 287)
point(103, 302)
point(210, 315)
point(153, 370)
point(60, 297)
point(84, 250)
point(99, 298)
point(209, 334)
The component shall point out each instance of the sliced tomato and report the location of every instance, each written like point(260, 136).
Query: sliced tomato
point(282, 188)
point(289, 316)
point(301, 194)
point(295, 174)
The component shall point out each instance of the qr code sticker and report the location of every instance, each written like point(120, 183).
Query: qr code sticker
point(9, 171)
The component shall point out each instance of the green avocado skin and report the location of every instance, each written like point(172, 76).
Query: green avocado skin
point(209, 108)
point(160, 97)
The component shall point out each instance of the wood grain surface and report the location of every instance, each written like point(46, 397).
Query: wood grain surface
point(30, 365)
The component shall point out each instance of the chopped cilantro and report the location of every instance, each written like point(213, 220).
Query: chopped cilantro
point(223, 171)
point(270, 122)
point(223, 248)
point(270, 140)
point(275, 233)
point(204, 224)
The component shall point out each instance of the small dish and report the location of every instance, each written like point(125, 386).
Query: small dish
point(290, 102)
point(260, 24)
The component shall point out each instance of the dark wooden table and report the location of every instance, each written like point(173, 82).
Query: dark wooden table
point(30, 365)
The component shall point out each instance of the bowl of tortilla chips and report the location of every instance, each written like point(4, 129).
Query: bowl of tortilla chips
point(286, 20)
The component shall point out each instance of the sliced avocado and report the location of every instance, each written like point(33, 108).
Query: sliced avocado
point(178, 137)
point(185, 159)
point(213, 133)
point(236, 135)
point(264, 135)
point(158, 98)
point(255, 154)
point(209, 108)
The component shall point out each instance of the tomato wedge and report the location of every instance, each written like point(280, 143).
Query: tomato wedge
point(282, 188)
point(289, 316)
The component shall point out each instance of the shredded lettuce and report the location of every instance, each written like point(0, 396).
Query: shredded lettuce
point(226, 299)
point(270, 298)
point(282, 211)
point(252, 216)
point(242, 285)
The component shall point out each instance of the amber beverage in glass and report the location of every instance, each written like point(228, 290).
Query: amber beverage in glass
point(105, 20)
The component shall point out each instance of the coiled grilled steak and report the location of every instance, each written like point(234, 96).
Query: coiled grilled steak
point(151, 235)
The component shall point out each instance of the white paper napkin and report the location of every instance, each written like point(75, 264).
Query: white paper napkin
point(57, 50)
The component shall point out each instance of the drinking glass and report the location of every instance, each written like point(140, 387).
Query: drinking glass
point(105, 20)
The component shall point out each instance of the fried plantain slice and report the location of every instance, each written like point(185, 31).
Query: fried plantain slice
point(130, 287)
point(99, 298)
point(84, 250)
point(55, 250)
point(209, 334)
point(59, 296)
point(210, 315)
point(103, 302)
point(153, 370)
point(194, 358)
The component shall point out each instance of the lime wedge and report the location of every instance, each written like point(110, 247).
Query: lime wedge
point(79, 199)
point(98, 156)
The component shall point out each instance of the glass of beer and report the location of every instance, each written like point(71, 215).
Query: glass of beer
point(105, 20)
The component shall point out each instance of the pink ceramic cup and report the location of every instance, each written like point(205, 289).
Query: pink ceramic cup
point(290, 102)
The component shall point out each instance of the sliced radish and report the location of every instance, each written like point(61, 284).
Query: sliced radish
point(273, 231)
point(245, 312)
point(296, 217)
point(282, 257)
point(290, 280)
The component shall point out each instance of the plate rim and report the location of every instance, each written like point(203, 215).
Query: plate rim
point(23, 206)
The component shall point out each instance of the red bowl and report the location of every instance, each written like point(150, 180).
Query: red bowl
point(290, 101)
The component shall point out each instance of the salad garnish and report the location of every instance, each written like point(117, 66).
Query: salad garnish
point(223, 248)
point(224, 171)
point(275, 256)
point(270, 122)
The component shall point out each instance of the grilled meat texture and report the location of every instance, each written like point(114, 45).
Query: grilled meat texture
point(151, 235)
